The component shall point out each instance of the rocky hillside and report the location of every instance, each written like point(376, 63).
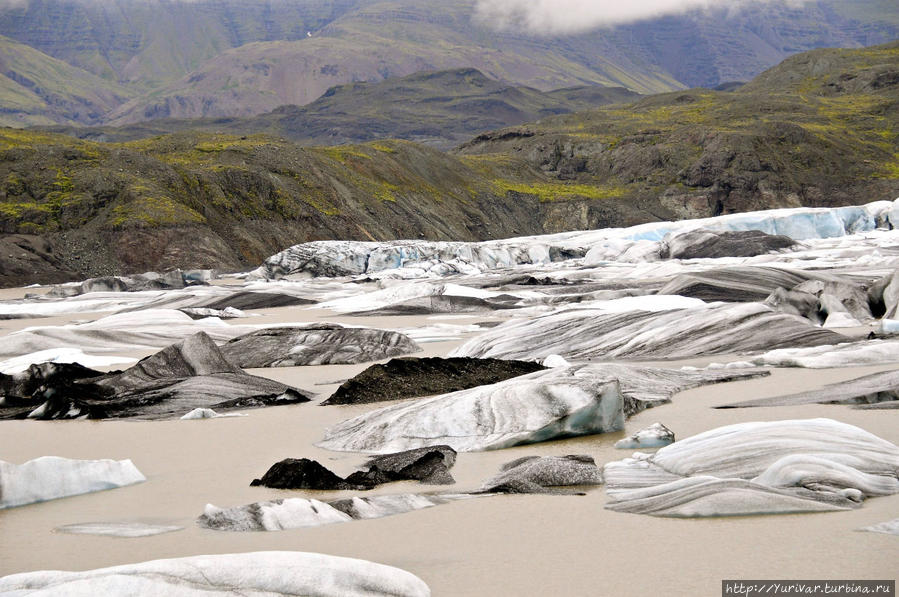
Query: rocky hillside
point(36, 89)
point(214, 58)
point(818, 130)
point(437, 108)
point(197, 200)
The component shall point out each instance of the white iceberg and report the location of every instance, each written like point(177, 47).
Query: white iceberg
point(654, 436)
point(271, 573)
point(757, 468)
point(60, 355)
point(582, 333)
point(296, 513)
point(52, 477)
point(550, 404)
point(128, 530)
point(541, 406)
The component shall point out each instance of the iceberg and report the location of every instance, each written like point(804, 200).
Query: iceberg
point(271, 573)
point(550, 404)
point(60, 355)
point(316, 344)
point(890, 527)
point(847, 354)
point(295, 513)
point(52, 477)
point(654, 436)
point(130, 530)
point(541, 406)
point(591, 333)
point(535, 474)
point(809, 465)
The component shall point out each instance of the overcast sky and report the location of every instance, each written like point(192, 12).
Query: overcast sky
point(552, 17)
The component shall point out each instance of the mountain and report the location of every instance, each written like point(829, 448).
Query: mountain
point(37, 89)
point(223, 58)
point(817, 130)
point(437, 108)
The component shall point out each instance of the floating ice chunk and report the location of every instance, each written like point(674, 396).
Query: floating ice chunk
point(585, 333)
point(889, 326)
point(294, 513)
point(554, 360)
point(60, 355)
point(654, 436)
point(840, 319)
point(849, 354)
point(534, 474)
point(51, 477)
point(273, 573)
point(208, 413)
point(890, 527)
point(118, 529)
point(546, 405)
point(541, 406)
point(757, 468)
point(277, 515)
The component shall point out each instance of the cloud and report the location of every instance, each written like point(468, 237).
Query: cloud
point(559, 17)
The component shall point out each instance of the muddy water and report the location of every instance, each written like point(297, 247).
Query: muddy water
point(506, 545)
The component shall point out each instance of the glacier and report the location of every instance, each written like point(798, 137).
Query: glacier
point(637, 243)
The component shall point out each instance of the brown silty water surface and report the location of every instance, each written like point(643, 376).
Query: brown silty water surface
point(504, 545)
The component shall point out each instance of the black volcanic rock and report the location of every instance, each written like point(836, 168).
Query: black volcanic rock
point(429, 465)
point(739, 243)
point(302, 473)
point(316, 344)
point(179, 378)
point(412, 376)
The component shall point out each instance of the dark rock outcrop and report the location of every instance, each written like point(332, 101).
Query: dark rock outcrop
point(302, 473)
point(707, 244)
point(413, 376)
point(181, 377)
point(316, 344)
point(428, 465)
